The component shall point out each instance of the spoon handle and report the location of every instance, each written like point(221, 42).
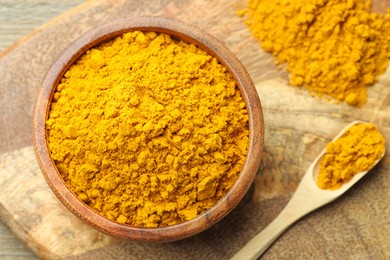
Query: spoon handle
point(260, 243)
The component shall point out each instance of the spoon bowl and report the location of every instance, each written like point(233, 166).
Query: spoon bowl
point(327, 194)
point(307, 197)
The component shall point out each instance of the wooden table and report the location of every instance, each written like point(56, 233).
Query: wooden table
point(297, 128)
point(18, 18)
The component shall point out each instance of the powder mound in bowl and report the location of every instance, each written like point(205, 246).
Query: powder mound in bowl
point(148, 130)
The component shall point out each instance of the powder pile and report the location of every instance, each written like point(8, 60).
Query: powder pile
point(334, 48)
point(148, 130)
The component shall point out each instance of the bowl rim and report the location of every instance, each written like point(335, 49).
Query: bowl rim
point(188, 33)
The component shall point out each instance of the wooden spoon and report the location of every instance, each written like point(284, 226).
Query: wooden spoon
point(306, 198)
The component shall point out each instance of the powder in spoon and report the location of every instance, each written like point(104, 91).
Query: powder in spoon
point(355, 151)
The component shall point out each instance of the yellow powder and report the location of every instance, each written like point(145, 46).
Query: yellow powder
point(354, 152)
point(334, 48)
point(147, 130)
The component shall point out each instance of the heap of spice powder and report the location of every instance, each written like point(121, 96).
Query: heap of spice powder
point(333, 48)
point(357, 150)
point(148, 130)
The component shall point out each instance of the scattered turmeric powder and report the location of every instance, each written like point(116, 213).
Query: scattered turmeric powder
point(355, 151)
point(334, 48)
point(148, 130)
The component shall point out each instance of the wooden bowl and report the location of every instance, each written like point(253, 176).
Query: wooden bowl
point(187, 33)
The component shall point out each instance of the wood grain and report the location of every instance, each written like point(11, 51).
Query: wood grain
point(17, 19)
point(297, 128)
point(11, 248)
point(20, 17)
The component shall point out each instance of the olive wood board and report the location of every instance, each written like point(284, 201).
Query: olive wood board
point(297, 127)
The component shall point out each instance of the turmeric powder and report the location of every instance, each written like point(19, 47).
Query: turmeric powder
point(333, 48)
point(148, 130)
point(355, 151)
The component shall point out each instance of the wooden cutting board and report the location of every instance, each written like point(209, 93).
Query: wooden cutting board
point(298, 127)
